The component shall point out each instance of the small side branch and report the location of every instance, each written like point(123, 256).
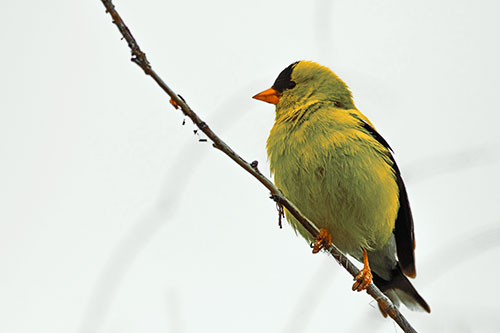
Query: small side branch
point(141, 60)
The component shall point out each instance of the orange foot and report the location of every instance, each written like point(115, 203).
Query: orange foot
point(323, 240)
point(364, 277)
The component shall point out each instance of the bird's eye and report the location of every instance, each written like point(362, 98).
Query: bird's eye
point(291, 85)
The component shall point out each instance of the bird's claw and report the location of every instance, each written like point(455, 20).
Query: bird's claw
point(364, 277)
point(322, 241)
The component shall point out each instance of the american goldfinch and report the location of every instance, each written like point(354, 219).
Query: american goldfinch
point(329, 160)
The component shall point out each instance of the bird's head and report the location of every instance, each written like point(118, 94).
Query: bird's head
point(305, 82)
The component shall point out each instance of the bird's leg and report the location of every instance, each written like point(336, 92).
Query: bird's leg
point(323, 240)
point(364, 277)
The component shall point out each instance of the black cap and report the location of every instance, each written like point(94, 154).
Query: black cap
point(284, 80)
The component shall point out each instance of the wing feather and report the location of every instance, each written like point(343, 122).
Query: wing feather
point(403, 230)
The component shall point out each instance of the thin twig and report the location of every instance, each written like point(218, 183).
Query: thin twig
point(140, 59)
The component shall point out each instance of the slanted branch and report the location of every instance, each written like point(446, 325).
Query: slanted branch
point(139, 57)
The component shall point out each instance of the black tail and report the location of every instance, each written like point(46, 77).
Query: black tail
point(400, 290)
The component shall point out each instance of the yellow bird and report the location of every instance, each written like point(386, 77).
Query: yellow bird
point(329, 160)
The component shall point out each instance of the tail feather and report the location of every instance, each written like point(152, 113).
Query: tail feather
point(400, 290)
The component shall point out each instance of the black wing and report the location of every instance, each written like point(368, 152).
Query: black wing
point(403, 230)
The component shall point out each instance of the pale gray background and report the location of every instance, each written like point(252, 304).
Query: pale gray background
point(114, 218)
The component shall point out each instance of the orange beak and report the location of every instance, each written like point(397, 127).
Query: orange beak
point(270, 95)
